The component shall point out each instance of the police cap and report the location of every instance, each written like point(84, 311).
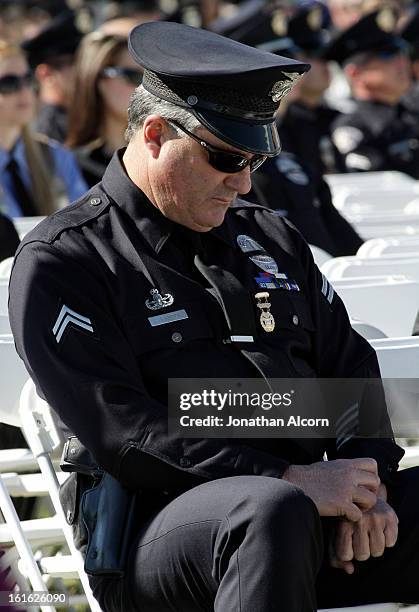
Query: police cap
point(410, 33)
point(373, 34)
point(59, 37)
point(307, 29)
point(232, 89)
point(254, 23)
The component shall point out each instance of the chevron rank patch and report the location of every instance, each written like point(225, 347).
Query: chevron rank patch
point(68, 317)
point(347, 425)
point(327, 290)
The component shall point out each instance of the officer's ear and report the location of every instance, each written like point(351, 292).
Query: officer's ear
point(154, 134)
point(351, 72)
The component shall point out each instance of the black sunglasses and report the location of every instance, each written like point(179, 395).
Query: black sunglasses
point(131, 75)
point(222, 160)
point(12, 83)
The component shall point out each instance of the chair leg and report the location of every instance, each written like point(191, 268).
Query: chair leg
point(22, 544)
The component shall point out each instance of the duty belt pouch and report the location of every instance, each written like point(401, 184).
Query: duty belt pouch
point(108, 513)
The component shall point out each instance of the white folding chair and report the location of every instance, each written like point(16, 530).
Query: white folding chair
point(364, 201)
point(385, 607)
point(398, 357)
point(320, 256)
point(6, 267)
point(23, 225)
point(4, 296)
point(390, 305)
point(43, 439)
point(396, 246)
point(367, 331)
point(389, 179)
point(352, 266)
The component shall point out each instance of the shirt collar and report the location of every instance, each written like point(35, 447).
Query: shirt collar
point(153, 226)
point(17, 153)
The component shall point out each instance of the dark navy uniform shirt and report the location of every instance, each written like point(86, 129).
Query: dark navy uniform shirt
point(306, 132)
point(285, 185)
point(376, 136)
point(78, 310)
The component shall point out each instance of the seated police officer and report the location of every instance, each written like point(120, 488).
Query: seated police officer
point(381, 132)
point(154, 275)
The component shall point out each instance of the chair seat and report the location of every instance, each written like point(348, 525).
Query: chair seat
point(41, 531)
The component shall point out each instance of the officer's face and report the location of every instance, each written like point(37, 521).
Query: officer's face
point(116, 90)
point(16, 106)
point(316, 80)
point(181, 182)
point(388, 75)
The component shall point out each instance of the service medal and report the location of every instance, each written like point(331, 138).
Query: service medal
point(267, 320)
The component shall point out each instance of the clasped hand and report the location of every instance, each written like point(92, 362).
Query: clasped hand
point(376, 530)
point(350, 489)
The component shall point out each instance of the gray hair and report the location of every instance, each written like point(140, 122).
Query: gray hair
point(143, 104)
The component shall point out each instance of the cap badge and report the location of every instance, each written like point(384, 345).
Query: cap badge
point(282, 88)
point(159, 301)
point(315, 18)
point(279, 23)
point(267, 320)
point(386, 20)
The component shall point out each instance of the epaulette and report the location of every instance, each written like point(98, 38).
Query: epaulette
point(92, 204)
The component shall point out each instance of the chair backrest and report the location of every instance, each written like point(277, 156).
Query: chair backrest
point(389, 246)
point(320, 256)
point(4, 296)
point(6, 267)
point(24, 224)
point(366, 201)
point(388, 179)
point(13, 376)
point(398, 357)
point(352, 266)
point(390, 306)
point(369, 332)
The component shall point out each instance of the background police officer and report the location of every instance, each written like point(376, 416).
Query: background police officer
point(380, 133)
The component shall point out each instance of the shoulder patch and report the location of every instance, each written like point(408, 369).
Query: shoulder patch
point(357, 161)
point(346, 138)
point(291, 169)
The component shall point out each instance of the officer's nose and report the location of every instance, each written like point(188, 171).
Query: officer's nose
point(240, 181)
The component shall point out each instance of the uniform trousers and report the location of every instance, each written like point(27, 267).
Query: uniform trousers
point(256, 544)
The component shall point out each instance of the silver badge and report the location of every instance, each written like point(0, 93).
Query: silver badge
point(159, 301)
point(282, 88)
point(265, 263)
point(247, 244)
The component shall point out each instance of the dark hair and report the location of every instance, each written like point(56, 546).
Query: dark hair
point(96, 52)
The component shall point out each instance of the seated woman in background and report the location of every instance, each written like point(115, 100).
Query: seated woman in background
point(105, 78)
point(37, 175)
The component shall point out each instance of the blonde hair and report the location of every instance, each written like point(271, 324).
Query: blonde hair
point(97, 51)
point(36, 153)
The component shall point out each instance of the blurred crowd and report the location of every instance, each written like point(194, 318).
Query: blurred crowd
point(66, 78)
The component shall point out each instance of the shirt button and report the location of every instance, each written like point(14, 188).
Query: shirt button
point(185, 462)
point(295, 319)
point(177, 337)
point(95, 201)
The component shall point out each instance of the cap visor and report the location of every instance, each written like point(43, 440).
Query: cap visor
point(259, 138)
